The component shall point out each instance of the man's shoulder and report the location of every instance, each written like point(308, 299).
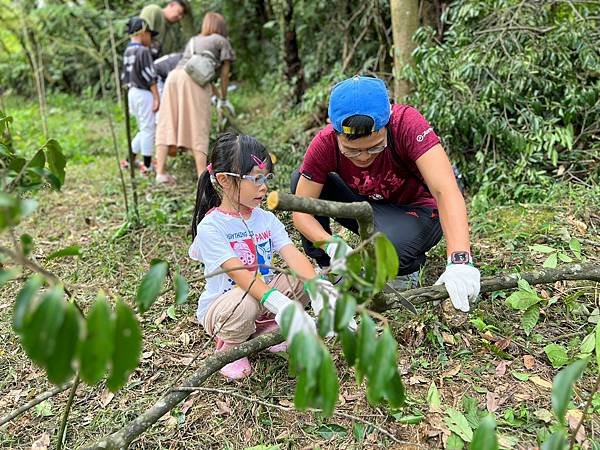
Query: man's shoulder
point(151, 12)
point(324, 138)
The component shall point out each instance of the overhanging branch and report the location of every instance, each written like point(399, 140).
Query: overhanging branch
point(361, 211)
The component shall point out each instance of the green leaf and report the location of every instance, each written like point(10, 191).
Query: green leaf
point(38, 160)
point(484, 437)
point(588, 344)
point(575, 247)
point(433, 396)
point(182, 289)
point(522, 300)
point(557, 355)
point(328, 384)
point(72, 250)
point(40, 333)
point(23, 302)
point(409, 419)
point(365, 346)
point(520, 376)
point(381, 274)
point(563, 386)
point(286, 320)
point(556, 441)
point(457, 423)
point(348, 340)
point(382, 367)
point(60, 363)
point(328, 431)
point(564, 258)
point(26, 243)
point(151, 285)
point(551, 262)
point(127, 348)
point(598, 344)
point(56, 160)
point(395, 392)
point(345, 308)
point(542, 248)
point(454, 442)
point(171, 312)
point(325, 322)
point(98, 343)
point(530, 319)
point(8, 274)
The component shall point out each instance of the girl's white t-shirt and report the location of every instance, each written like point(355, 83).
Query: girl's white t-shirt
point(222, 236)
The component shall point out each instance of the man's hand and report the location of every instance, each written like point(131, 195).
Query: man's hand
point(225, 104)
point(462, 282)
point(337, 249)
point(278, 303)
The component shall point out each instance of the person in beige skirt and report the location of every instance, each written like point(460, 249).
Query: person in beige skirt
point(184, 119)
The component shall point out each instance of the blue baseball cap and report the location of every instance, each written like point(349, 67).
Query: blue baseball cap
point(365, 96)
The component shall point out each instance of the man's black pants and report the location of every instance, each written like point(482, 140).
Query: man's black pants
point(412, 230)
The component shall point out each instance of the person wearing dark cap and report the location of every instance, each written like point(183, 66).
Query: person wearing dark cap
point(173, 22)
point(142, 94)
point(389, 156)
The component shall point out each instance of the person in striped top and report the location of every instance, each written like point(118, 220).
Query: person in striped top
point(140, 78)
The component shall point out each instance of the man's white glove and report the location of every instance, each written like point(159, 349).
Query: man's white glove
point(337, 249)
point(225, 104)
point(462, 282)
point(213, 100)
point(278, 303)
point(325, 288)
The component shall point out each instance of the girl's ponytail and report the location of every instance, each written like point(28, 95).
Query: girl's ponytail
point(207, 198)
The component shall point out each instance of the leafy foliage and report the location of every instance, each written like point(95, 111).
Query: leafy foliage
point(512, 89)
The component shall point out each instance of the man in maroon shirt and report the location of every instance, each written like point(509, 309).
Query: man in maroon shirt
point(390, 156)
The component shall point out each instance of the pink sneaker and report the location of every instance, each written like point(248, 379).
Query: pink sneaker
point(236, 370)
point(266, 325)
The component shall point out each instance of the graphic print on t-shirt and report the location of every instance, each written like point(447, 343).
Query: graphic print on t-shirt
point(376, 188)
point(264, 256)
point(245, 250)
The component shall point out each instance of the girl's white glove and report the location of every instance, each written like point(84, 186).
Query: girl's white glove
point(325, 289)
point(337, 249)
point(225, 104)
point(462, 282)
point(277, 303)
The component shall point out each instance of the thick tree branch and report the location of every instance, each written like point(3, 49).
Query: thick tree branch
point(361, 211)
point(590, 271)
point(122, 438)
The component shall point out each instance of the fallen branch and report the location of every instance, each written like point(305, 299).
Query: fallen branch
point(36, 401)
point(590, 271)
point(123, 437)
point(361, 211)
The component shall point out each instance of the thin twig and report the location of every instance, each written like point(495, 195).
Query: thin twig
point(36, 401)
point(65, 417)
point(285, 408)
point(585, 410)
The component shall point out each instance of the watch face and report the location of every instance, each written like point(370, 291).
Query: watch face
point(460, 258)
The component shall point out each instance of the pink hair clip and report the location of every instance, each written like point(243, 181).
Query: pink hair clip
point(261, 164)
point(209, 168)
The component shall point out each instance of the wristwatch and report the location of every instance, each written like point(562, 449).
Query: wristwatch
point(460, 258)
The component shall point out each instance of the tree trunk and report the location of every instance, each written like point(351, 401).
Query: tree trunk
point(405, 21)
point(292, 70)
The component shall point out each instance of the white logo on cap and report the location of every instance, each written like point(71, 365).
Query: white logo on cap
point(421, 136)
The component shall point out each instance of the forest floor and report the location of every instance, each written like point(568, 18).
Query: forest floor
point(474, 363)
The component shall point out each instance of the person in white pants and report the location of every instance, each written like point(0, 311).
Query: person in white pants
point(140, 77)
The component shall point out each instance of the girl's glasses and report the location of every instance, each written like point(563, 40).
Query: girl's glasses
point(258, 180)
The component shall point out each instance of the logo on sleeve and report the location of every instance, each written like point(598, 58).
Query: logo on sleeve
point(421, 136)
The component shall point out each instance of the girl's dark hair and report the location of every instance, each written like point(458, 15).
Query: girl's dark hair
point(363, 125)
point(233, 153)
